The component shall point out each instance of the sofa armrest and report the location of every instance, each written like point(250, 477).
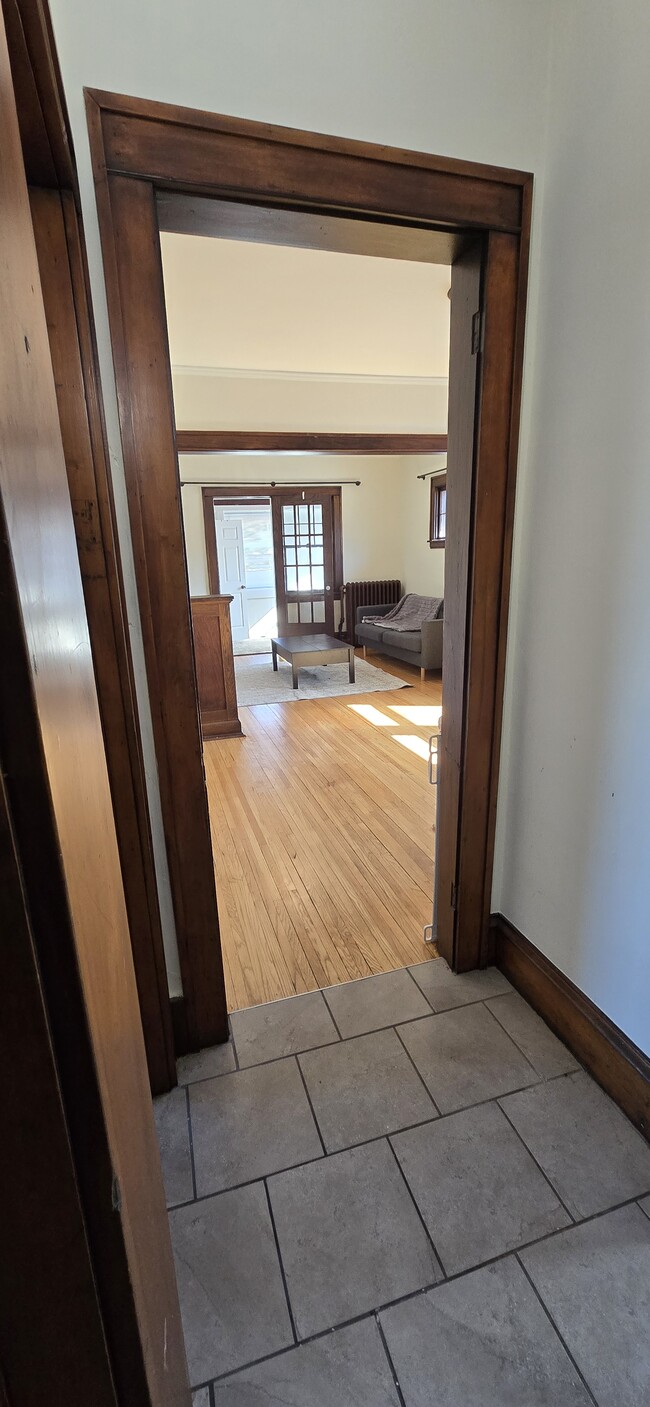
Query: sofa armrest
point(373, 611)
point(431, 657)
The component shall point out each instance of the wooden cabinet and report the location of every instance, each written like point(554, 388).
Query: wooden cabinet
point(215, 666)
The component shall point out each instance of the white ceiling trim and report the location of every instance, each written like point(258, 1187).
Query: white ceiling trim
point(263, 374)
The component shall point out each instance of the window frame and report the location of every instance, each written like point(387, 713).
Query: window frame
point(438, 486)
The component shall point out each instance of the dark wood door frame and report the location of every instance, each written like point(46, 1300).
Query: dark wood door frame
point(143, 151)
point(49, 161)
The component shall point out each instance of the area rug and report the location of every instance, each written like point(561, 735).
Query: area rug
point(258, 684)
point(251, 647)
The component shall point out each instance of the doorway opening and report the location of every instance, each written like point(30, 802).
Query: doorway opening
point(245, 566)
point(160, 169)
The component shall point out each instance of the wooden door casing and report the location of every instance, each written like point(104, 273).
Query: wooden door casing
point(175, 154)
point(63, 839)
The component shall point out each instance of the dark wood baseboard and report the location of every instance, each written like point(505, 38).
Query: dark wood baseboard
point(609, 1055)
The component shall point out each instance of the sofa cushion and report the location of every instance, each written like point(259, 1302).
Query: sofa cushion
point(370, 633)
point(403, 639)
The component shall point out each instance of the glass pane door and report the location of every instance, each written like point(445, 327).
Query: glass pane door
point(305, 601)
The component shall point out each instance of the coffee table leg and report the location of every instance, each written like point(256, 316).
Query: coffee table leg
point(351, 663)
point(275, 658)
point(294, 674)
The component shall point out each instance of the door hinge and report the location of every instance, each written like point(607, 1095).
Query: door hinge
point(477, 332)
point(454, 896)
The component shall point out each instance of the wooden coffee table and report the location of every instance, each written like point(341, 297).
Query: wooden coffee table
point(301, 650)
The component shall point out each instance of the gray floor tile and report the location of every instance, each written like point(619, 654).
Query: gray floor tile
point(445, 989)
point(481, 1341)
point(172, 1127)
point(373, 1002)
point(232, 1298)
point(250, 1123)
point(546, 1053)
point(201, 1398)
point(348, 1368)
point(465, 1056)
point(587, 1148)
point(479, 1191)
point(350, 1236)
point(215, 1060)
point(595, 1281)
point(363, 1088)
point(282, 1028)
point(645, 1205)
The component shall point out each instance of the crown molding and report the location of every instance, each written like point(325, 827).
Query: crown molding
point(263, 374)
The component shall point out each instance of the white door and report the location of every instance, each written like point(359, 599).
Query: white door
point(232, 572)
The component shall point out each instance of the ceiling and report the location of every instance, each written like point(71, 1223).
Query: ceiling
point(238, 305)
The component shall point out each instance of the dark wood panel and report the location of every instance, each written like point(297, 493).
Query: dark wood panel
point(463, 380)
point(58, 794)
point(215, 666)
point(609, 1055)
point(42, 1224)
point(42, 115)
point(177, 147)
point(143, 369)
point(70, 332)
point(487, 618)
point(304, 442)
point(209, 217)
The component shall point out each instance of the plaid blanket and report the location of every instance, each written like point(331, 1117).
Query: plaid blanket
point(410, 613)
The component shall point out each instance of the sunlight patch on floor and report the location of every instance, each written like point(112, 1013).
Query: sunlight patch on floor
point(373, 715)
point(413, 743)
point(422, 715)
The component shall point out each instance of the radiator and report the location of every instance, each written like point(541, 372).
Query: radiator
point(365, 593)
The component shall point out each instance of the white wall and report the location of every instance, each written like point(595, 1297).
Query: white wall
point(207, 400)
point(467, 79)
point(385, 519)
point(574, 811)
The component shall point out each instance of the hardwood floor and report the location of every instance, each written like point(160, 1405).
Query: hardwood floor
point(322, 835)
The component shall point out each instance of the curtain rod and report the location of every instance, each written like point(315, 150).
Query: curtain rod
point(433, 474)
point(272, 484)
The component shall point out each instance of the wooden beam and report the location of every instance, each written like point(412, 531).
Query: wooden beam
point(304, 442)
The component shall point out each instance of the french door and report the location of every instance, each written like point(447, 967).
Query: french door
point(305, 561)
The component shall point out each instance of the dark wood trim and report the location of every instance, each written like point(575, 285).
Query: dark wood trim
point(210, 530)
point(60, 254)
point(49, 161)
point(142, 362)
point(206, 153)
point(436, 485)
point(140, 147)
point(607, 1053)
point(75, 950)
point(304, 442)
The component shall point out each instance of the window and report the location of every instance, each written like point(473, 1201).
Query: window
point(438, 512)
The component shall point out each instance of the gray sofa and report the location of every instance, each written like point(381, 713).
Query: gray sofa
point(422, 648)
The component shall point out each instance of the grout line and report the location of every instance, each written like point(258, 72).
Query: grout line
point(334, 1020)
point(280, 1262)
point(535, 1160)
point(572, 1071)
point(191, 1141)
point(420, 1077)
point(309, 1101)
point(391, 1026)
point(365, 1142)
point(234, 1046)
point(420, 1216)
point(413, 1294)
point(555, 1328)
point(211, 1394)
point(391, 1365)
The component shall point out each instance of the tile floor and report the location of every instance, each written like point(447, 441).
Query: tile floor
point(405, 1192)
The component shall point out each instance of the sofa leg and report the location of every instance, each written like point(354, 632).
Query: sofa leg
point(423, 674)
point(365, 653)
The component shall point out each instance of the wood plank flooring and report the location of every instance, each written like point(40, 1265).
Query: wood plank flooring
point(322, 833)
